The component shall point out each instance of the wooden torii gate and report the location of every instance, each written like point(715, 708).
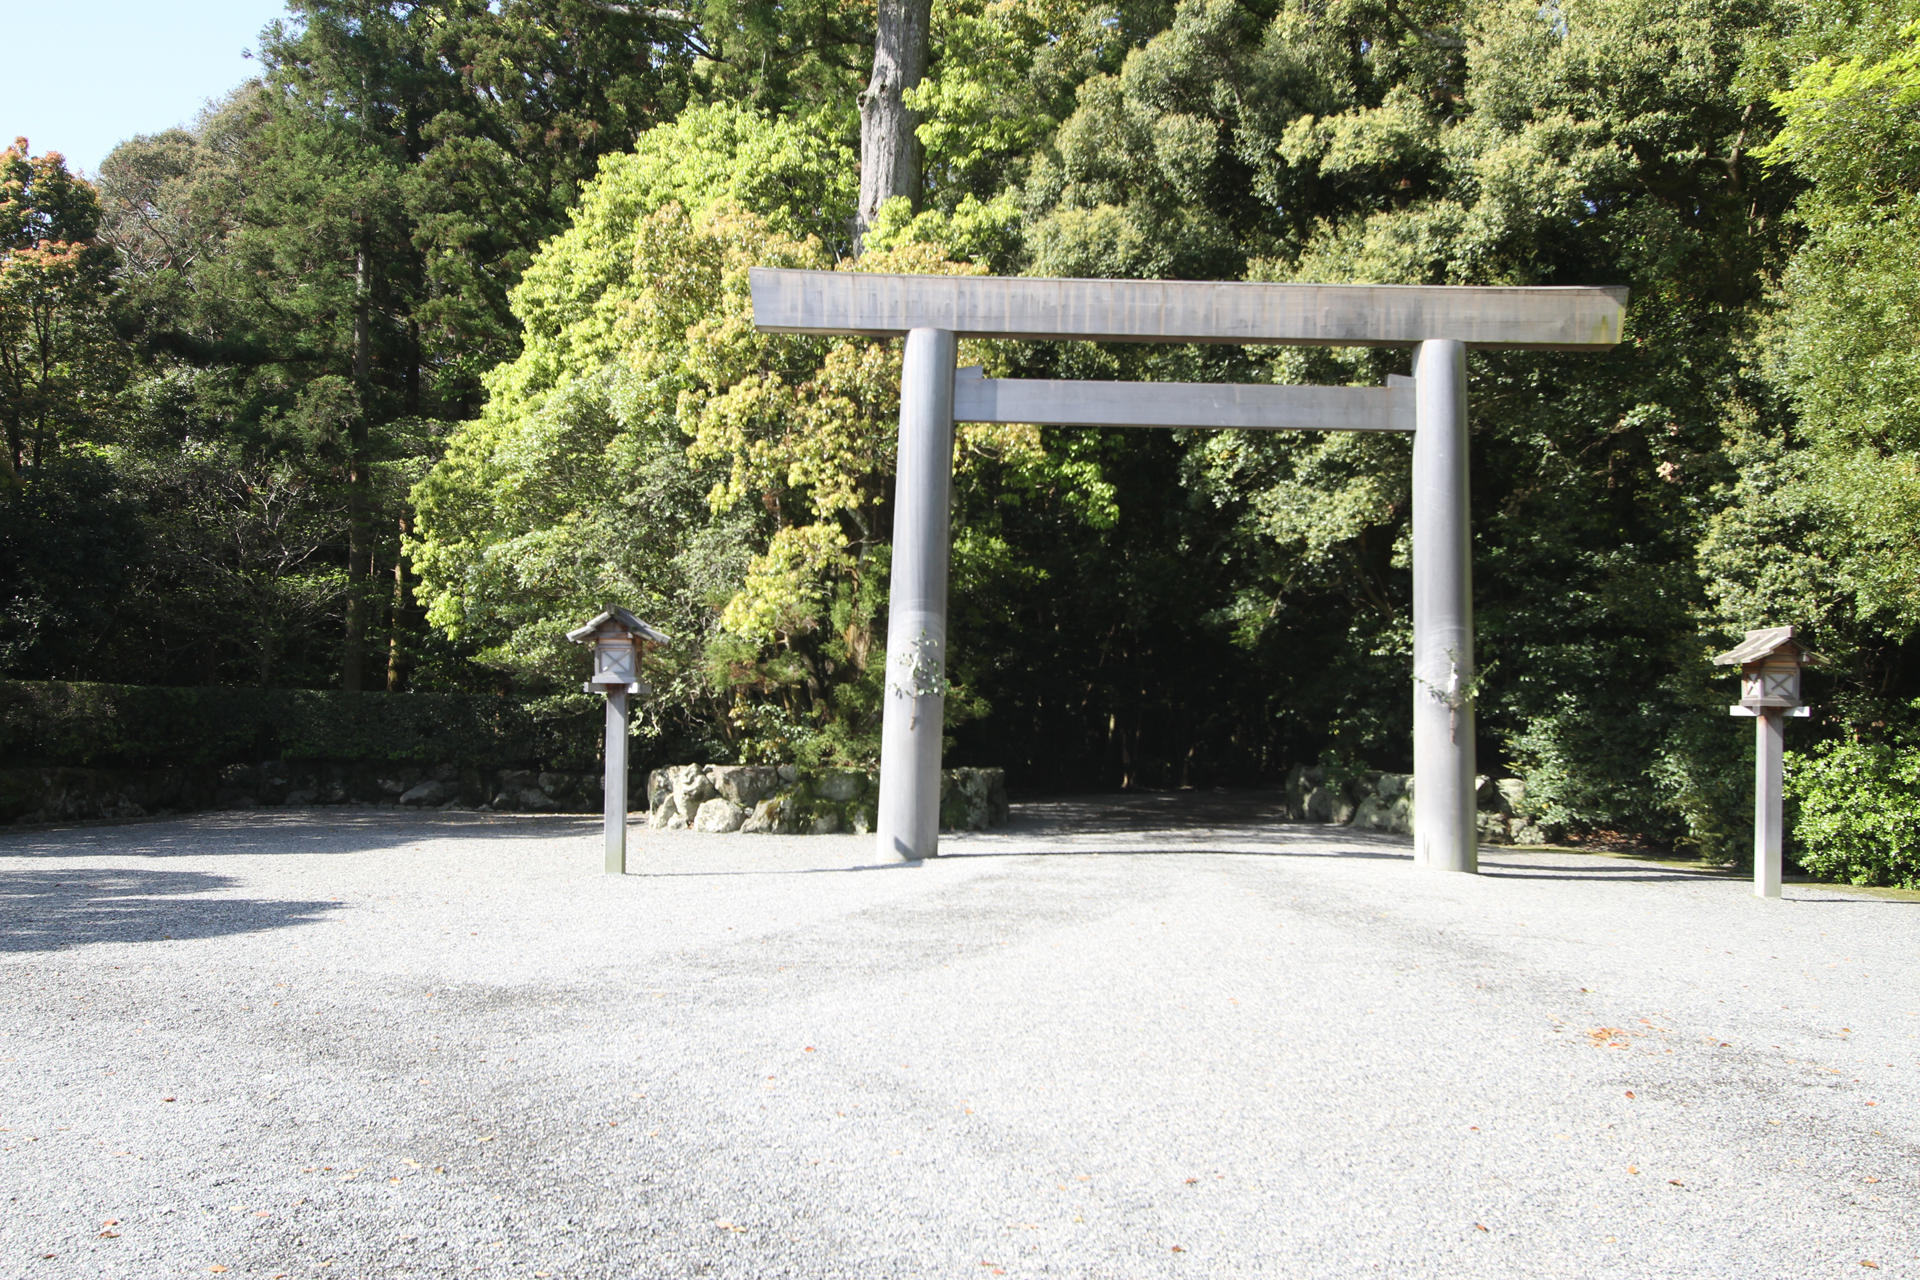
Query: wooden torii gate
point(1439, 322)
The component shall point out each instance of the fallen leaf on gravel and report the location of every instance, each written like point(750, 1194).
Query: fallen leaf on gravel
point(1478, 1227)
point(1178, 1249)
point(411, 1164)
point(109, 1235)
point(1629, 1093)
point(1865, 1263)
point(1675, 1182)
point(216, 1267)
point(724, 1225)
point(1633, 1168)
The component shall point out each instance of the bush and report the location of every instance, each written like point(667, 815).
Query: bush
point(1858, 812)
point(59, 724)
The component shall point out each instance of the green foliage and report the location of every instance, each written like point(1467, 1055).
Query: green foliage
point(70, 539)
point(140, 726)
point(1858, 811)
point(1821, 529)
point(577, 486)
point(61, 364)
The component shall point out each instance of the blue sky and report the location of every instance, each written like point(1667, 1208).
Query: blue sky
point(108, 69)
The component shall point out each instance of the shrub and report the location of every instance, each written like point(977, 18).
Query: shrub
point(62, 724)
point(1858, 812)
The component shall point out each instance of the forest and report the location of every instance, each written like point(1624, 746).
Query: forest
point(423, 346)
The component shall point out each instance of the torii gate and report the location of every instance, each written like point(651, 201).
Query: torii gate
point(934, 312)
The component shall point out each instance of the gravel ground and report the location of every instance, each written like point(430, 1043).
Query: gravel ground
point(1151, 1036)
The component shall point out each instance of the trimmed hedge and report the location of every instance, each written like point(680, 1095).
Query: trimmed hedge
point(46, 724)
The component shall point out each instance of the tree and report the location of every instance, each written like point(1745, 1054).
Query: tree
point(61, 362)
point(1607, 141)
point(577, 485)
point(1823, 531)
point(889, 147)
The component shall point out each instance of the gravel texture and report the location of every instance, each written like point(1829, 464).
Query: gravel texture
point(1140, 1037)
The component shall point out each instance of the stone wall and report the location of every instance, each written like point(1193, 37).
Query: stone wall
point(788, 800)
point(1375, 801)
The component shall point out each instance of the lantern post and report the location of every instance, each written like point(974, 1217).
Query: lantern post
point(1770, 661)
point(617, 638)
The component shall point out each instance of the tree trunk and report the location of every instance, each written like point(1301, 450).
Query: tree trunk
point(889, 150)
point(396, 655)
point(359, 518)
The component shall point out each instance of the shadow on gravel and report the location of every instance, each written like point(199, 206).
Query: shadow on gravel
point(56, 909)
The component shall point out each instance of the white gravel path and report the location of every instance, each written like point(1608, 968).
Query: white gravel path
point(1143, 1037)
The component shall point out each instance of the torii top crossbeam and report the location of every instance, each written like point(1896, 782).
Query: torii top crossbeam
point(1441, 323)
point(1331, 315)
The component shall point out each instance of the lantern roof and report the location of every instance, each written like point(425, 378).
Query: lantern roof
point(615, 621)
point(1765, 643)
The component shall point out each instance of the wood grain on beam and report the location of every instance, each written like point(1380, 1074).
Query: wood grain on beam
point(1248, 406)
point(1339, 315)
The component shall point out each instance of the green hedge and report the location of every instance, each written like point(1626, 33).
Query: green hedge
point(1858, 812)
point(57, 724)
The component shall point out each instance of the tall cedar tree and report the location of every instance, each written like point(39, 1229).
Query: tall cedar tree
point(411, 158)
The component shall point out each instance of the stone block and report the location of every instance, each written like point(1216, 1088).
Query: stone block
point(839, 785)
point(1513, 795)
point(534, 800)
point(744, 784)
point(972, 799)
point(764, 820)
point(691, 789)
point(718, 815)
point(1526, 831)
point(662, 809)
point(1328, 803)
point(426, 793)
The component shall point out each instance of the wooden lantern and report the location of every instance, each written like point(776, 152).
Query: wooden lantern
point(616, 637)
point(1770, 661)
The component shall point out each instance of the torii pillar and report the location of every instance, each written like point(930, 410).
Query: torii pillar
point(1440, 322)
